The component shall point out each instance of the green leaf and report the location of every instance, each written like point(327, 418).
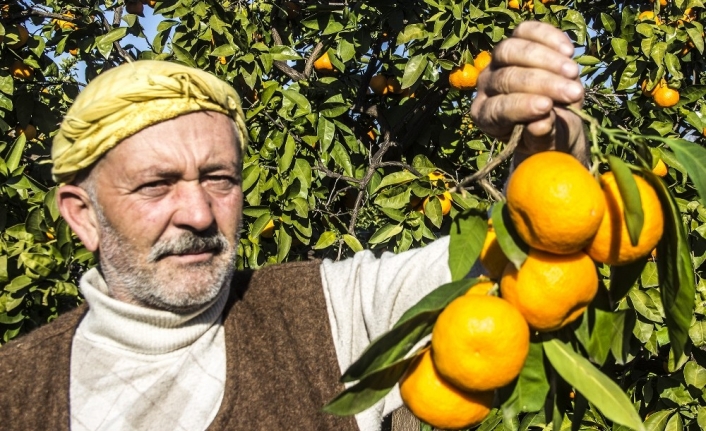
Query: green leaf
point(630, 194)
point(510, 242)
point(290, 148)
point(695, 375)
point(624, 277)
point(352, 242)
point(368, 391)
point(608, 23)
point(183, 55)
point(415, 324)
point(396, 178)
point(325, 131)
point(598, 388)
point(468, 232)
point(530, 390)
point(620, 47)
point(693, 157)
point(327, 239)
point(13, 159)
point(413, 70)
point(281, 52)
point(658, 420)
point(676, 272)
point(385, 233)
point(675, 423)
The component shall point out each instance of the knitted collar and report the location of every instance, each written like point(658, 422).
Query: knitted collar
point(138, 329)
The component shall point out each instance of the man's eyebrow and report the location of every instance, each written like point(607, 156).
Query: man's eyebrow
point(213, 167)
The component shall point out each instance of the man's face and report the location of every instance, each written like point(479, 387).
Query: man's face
point(169, 210)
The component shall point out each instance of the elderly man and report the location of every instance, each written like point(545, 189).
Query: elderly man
point(149, 159)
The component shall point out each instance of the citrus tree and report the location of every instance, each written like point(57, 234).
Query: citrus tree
point(359, 118)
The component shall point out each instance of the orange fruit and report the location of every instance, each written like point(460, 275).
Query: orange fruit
point(646, 91)
point(432, 399)
point(661, 2)
point(648, 15)
point(491, 255)
point(479, 343)
point(22, 36)
point(481, 288)
point(611, 244)
point(269, 230)
point(436, 175)
point(445, 199)
point(323, 64)
point(371, 134)
point(135, 8)
point(378, 84)
point(293, 9)
point(73, 51)
point(550, 290)
point(554, 202)
point(660, 168)
point(665, 97)
point(29, 131)
point(482, 60)
point(393, 85)
point(64, 25)
point(513, 4)
point(222, 60)
point(463, 77)
point(20, 70)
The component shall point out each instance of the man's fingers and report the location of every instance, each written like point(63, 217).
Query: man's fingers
point(500, 113)
point(530, 54)
point(510, 80)
point(545, 34)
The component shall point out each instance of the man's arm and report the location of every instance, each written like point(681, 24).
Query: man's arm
point(530, 80)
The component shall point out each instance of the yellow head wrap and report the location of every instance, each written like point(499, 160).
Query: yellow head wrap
point(123, 101)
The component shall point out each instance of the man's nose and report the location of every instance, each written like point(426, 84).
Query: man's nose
point(194, 207)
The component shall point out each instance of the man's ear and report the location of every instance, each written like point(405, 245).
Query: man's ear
point(78, 211)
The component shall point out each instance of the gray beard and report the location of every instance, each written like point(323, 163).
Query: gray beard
point(151, 284)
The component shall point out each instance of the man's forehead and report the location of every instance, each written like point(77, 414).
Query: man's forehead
point(206, 141)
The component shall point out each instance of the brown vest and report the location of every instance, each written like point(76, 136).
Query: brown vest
point(281, 362)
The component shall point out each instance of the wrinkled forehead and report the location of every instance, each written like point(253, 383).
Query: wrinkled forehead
point(200, 140)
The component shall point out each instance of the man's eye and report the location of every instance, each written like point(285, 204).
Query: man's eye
point(154, 187)
point(221, 181)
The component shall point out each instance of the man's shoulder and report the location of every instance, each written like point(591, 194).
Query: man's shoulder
point(53, 334)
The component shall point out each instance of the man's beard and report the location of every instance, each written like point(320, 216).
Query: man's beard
point(151, 282)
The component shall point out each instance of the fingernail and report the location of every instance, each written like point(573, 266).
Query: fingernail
point(542, 104)
point(574, 90)
point(567, 50)
point(570, 69)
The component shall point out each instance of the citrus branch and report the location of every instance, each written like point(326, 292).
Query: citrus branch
point(505, 154)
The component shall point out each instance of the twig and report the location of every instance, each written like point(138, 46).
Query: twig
point(491, 190)
point(292, 73)
point(332, 174)
point(505, 154)
point(117, 14)
point(313, 56)
point(401, 165)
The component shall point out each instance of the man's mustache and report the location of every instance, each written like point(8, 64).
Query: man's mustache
point(188, 243)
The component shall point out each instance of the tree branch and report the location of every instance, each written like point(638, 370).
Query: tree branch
point(505, 154)
point(283, 67)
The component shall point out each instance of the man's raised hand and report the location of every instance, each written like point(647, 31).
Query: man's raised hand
point(531, 80)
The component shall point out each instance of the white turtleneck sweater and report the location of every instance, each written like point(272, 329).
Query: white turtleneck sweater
point(134, 368)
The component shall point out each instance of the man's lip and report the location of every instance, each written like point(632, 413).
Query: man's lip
point(194, 256)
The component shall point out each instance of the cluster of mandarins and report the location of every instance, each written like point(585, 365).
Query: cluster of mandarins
point(480, 341)
point(465, 76)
